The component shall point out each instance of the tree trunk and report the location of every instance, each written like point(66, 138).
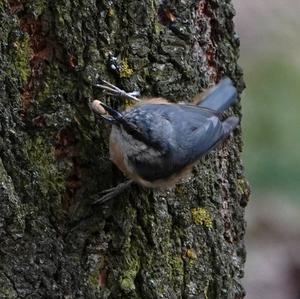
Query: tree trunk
point(186, 242)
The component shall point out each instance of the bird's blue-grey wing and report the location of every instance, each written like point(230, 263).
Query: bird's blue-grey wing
point(152, 163)
point(186, 133)
point(198, 133)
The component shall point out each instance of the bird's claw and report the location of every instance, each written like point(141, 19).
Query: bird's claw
point(113, 90)
point(111, 193)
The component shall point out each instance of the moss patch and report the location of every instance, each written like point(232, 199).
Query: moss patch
point(202, 216)
point(21, 54)
point(128, 277)
point(125, 70)
point(191, 254)
point(41, 154)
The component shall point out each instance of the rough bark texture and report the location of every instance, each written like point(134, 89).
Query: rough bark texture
point(186, 242)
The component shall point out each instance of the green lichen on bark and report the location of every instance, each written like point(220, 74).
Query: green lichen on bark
point(125, 71)
point(55, 154)
point(201, 216)
point(41, 155)
point(20, 55)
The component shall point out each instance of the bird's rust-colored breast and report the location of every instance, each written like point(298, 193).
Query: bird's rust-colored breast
point(116, 155)
point(120, 160)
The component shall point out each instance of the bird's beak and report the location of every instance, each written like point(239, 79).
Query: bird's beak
point(117, 118)
point(103, 110)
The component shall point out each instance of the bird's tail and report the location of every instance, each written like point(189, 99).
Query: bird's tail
point(229, 124)
point(220, 97)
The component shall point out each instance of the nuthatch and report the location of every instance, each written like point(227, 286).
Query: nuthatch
point(155, 143)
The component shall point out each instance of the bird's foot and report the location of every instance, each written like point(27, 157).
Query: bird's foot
point(113, 90)
point(111, 193)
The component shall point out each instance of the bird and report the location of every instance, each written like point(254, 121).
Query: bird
point(155, 143)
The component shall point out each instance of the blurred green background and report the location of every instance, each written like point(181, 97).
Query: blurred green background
point(270, 58)
point(272, 126)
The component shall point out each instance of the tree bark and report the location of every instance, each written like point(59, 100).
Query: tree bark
point(186, 242)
